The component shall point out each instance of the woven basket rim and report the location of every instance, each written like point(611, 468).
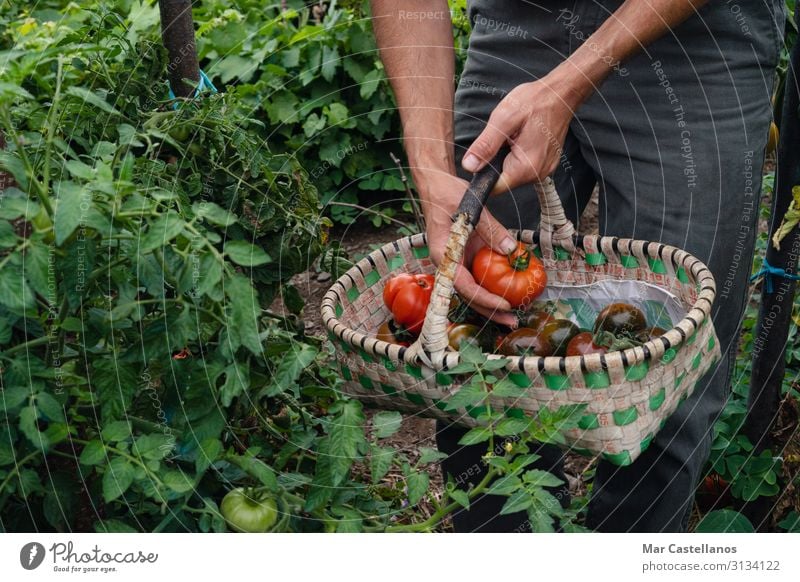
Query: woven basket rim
point(675, 337)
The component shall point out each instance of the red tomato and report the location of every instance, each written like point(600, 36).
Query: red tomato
point(518, 277)
point(407, 297)
point(583, 344)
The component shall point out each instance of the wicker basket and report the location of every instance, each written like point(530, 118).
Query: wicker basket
point(628, 394)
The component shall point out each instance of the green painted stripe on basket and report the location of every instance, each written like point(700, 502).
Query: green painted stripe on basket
point(628, 261)
point(669, 355)
point(691, 339)
point(443, 379)
point(415, 371)
point(556, 381)
point(475, 411)
point(415, 398)
point(395, 262)
point(332, 336)
point(658, 399)
point(515, 413)
point(345, 346)
point(620, 459)
point(662, 423)
point(657, 266)
point(388, 364)
point(596, 259)
point(537, 252)
point(371, 278)
point(338, 310)
point(561, 253)
point(589, 422)
point(346, 373)
point(597, 379)
point(681, 275)
point(697, 360)
point(353, 294)
point(520, 379)
point(627, 416)
point(583, 452)
point(366, 382)
point(366, 357)
point(679, 379)
point(711, 343)
point(420, 252)
point(645, 444)
point(637, 371)
point(390, 390)
point(440, 404)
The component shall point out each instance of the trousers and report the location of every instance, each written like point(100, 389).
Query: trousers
point(675, 139)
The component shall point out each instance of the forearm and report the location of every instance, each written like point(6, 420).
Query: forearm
point(627, 31)
point(415, 39)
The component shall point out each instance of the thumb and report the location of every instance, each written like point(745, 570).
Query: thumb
point(494, 234)
point(500, 127)
point(515, 173)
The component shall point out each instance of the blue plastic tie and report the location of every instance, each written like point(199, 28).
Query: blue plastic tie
point(205, 83)
point(768, 272)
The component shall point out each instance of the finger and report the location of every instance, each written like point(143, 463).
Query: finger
point(518, 169)
point(502, 125)
point(495, 235)
point(476, 295)
point(503, 317)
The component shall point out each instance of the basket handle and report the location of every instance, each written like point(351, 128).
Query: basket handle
point(554, 229)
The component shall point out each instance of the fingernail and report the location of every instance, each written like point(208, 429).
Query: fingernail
point(508, 245)
point(471, 163)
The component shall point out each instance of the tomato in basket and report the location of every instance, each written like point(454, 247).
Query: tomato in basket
point(518, 277)
point(407, 296)
point(582, 344)
point(620, 319)
point(391, 333)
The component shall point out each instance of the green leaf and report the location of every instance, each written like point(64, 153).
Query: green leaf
point(791, 523)
point(340, 448)
point(256, 468)
point(116, 431)
point(244, 312)
point(539, 478)
point(245, 254)
point(71, 199)
point(177, 481)
point(518, 501)
point(370, 83)
point(113, 526)
point(512, 426)
point(161, 231)
point(237, 381)
point(468, 395)
point(14, 396)
point(117, 478)
point(380, 461)
point(506, 388)
point(154, 446)
point(459, 496)
point(208, 452)
point(479, 434)
point(93, 453)
point(214, 213)
point(505, 485)
point(91, 98)
point(386, 423)
point(417, 484)
point(292, 364)
point(430, 455)
point(50, 408)
point(724, 521)
point(14, 290)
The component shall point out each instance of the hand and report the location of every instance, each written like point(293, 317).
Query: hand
point(440, 194)
point(533, 119)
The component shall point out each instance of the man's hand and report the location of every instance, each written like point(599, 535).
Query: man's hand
point(441, 193)
point(533, 119)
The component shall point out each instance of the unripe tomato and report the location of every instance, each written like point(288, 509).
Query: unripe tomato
point(247, 514)
point(518, 277)
point(407, 297)
point(620, 319)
